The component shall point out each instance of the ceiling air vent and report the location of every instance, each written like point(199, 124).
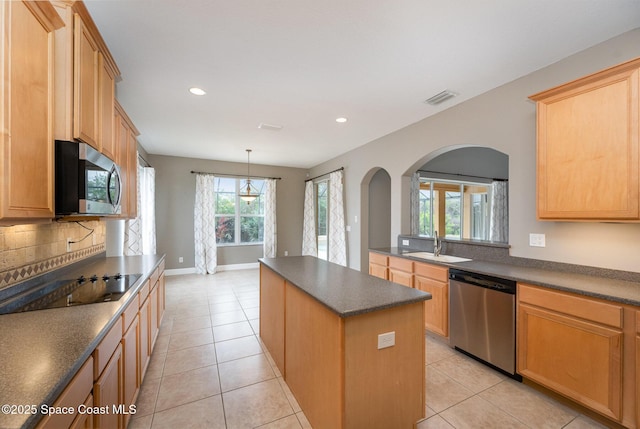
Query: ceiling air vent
point(441, 97)
point(271, 127)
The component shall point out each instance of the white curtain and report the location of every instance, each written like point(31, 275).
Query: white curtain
point(499, 223)
point(204, 225)
point(140, 233)
point(309, 244)
point(415, 204)
point(270, 241)
point(337, 236)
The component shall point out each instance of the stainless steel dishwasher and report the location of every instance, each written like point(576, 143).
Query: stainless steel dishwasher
point(482, 311)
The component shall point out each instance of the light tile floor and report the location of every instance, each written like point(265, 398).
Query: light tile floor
point(209, 370)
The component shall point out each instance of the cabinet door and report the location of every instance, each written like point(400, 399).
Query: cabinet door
point(26, 117)
point(144, 350)
point(576, 358)
point(85, 85)
point(106, 82)
point(436, 309)
point(161, 298)
point(638, 368)
point(153, 316)
point(132, 175)
point(107, 392)
point(378, 271)
point(130, 366)
point(84, 420)
point(401, 277)
point(588, 157)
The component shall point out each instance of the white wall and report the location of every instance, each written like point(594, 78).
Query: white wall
point(503, 119)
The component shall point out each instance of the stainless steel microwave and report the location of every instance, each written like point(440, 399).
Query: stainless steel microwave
point(87, 182)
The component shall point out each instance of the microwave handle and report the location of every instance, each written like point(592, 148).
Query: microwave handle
point(114, 171)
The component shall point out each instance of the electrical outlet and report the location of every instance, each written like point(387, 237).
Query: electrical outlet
point(387, 339)
point(69, 240)
point(405, 242)
point(286, 253)
point(537, 240)
point(180, 259)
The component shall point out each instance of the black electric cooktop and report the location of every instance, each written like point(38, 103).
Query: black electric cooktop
point(72, 292)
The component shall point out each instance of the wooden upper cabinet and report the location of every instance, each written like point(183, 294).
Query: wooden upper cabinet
point(85, 85)
point(106, 80)
point(127, 158)
point(26, 115)
point(588, 147)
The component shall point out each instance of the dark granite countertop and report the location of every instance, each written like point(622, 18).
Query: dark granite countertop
point(41, 351)
point(626, 292)
point(344, 291)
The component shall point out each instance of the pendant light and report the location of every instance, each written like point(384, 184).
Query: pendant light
point(248, 192)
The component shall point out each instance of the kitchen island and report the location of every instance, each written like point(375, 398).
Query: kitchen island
point(350, 346)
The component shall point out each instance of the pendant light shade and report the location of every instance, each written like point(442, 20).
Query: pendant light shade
point(248, 192)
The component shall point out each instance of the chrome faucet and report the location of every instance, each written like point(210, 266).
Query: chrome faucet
point(437, 244)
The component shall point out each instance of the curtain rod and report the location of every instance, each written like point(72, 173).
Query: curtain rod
point(234, 175)
point(148, 164)
point(317, 177)
point(464, 175)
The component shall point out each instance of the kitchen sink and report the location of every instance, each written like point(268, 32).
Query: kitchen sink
point(441, 258)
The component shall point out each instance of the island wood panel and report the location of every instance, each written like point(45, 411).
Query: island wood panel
point(314, 359)
point(272, 315)
point(384, 388)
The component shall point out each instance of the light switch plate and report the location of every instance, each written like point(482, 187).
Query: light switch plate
point(537, 240)
point(387, 339)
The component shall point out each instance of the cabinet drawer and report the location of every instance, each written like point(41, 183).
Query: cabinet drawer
point(75, 393)
point(103, 352)
point(401, 264)
point(573, 305)
point(129, 314)
point(378, 258)
point(431, 271)
point(638, 329)
point(161, 267)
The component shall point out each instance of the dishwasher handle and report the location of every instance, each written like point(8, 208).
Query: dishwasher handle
point(484, 281)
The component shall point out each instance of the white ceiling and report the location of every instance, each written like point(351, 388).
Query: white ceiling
point(303, 63)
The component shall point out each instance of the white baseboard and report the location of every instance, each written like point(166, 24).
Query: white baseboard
point(180, 271)
point(230, 267)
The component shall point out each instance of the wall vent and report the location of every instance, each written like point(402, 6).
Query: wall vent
point(271, 127)
point(441, 97)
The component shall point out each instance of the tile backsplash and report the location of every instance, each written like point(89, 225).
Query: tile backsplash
point(30, 250)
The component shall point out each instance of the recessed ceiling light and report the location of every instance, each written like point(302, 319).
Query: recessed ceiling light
point(197, 91)
point(341, 120)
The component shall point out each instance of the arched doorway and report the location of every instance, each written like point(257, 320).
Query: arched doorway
point(375, 212)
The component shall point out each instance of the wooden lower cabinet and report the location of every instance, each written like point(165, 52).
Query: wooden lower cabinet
point(153, 317)
point(378, 265)
point(638, 368)
point(434, 280)
point(144, 347)
point(107, 392)
point(573, 345)
point(401, 271)
point(78, 391)
point(131, 379)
